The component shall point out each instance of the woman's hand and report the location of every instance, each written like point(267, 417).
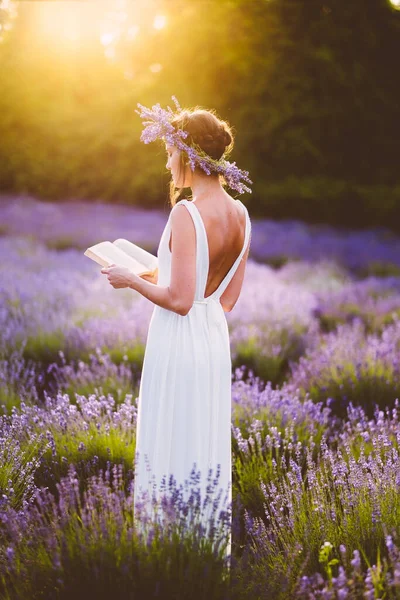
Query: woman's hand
point(119, 277)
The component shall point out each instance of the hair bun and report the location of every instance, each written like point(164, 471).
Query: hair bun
point(206, 131)
point(226, 137)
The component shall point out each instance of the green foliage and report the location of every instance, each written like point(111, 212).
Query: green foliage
point(326, 561)
point(44, 346)
point(89, 449)
point(256, 465)
point(366, 384)
point(298, 517)
point(308, 88)
point(347, 312)
point(134, 353)
point(264, 365)
point(268, 353)
point(9, 397)
point(65, 243)
point(19, 464)
point(101, 555)
point(378, 268)
point(336, 201)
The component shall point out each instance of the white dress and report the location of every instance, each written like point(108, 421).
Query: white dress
point(184, 403)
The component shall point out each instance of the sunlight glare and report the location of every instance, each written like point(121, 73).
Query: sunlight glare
point(155, 67)
point(110, 52)
point(65, 25)
point(132, 32)
point(395, 3)
point(128, 74)
point(119, 27)
point(107, 38)
point(8, 12)
point(159, 21)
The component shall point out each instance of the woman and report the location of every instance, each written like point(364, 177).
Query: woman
point(184, 404)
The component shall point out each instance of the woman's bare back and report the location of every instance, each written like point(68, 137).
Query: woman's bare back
point(225, 224)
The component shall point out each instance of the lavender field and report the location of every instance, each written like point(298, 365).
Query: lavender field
point(315, 345)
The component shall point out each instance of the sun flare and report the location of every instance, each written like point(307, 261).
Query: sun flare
point(114, 25)
point(159, 21)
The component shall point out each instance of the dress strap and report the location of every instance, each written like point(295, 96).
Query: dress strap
point(229, 276)
point(201, 248)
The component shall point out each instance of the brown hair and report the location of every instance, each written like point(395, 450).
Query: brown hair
point(207, 130)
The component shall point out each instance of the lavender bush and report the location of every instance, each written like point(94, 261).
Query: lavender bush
point(351, 501)
point(63, 225)
point(315, 428)
point(376, 302)
point(85, 544)
point(350, 366)
point(88, 433)
point(381, 580)
point(266, 426)
point(100, 375)
point(17, 380)
point(20, 459)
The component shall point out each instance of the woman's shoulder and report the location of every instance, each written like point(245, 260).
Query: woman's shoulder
point(180, 202)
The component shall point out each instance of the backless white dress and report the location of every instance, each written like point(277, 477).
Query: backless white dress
point(184, 403)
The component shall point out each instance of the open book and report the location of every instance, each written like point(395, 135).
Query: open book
point(124, 253)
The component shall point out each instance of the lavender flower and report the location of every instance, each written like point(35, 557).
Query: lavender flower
point(158, 126)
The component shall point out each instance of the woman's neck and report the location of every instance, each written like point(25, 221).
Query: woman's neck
point(205, 188)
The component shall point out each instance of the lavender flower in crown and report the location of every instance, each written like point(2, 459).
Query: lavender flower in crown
point(157, 125)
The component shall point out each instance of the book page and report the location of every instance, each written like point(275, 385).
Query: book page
point(106, 253)
point(148, 260)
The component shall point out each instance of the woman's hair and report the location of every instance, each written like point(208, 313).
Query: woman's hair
point(207, 130)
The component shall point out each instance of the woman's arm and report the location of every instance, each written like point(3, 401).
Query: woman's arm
point(122, 277)
point(178, 296)
point(161, 295)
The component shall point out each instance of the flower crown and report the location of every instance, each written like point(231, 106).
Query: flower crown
point(158, 126)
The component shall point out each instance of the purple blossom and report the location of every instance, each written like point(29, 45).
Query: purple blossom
point(157, 122)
